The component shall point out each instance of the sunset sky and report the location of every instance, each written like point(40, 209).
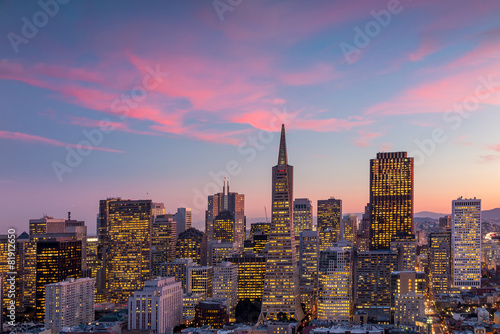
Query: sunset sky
point(172, 93)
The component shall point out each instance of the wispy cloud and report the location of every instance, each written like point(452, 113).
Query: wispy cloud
point(28, 138)
point(364, 138)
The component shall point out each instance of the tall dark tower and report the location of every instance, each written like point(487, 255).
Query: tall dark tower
point(281, 297)
point(391, 198)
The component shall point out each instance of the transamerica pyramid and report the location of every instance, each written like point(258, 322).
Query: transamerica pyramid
point(281, 299)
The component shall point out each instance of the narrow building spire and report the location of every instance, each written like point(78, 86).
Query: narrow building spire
point(282, 156)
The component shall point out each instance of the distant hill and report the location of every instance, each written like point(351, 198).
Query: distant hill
point(491, 214)
point(428, 214)
point(485, 214)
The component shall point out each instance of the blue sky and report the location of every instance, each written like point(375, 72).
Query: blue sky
point(169, 92)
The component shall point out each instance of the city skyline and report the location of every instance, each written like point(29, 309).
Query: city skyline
point(215, 82)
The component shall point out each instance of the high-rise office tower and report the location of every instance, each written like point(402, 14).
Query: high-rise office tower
point(408, 308)
point(329, 216)
point(226, 285)
point(232, 202)
point(445, 221)
point(163, 241)
point(158, 209)
point(218, 251)
point(404, 283)
point(336, 298)
point(350, 228)
point(178, 269)
point(363, 236)
point(56, 260)
point(406, 247)
point(251, 272)
point(200, 280)
point(189, 245)
point(281, 284)
point(373, 282)
point(95, 269)
point(259, 234)
point(156, 308)
point(261, 226)
point(183, 218)
point(259, 242)
point(69, 303)
point(48, 228)
point(224, 227)
point(189, 302)
point(302, 215)
point(125, 228)
point(466, 243)
point(391, 197)
point(308, 269)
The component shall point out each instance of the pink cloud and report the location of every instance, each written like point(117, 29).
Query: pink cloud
point(428, 47)
point(489, 158)
point(463, 140)
point(458, 83)
point(386, 147)
point(24, 137)
point(365, 138)
point(495, 147)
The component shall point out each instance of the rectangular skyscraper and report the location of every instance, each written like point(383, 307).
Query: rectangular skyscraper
point(466, 243)
point(302, 215)
point(125, 228)
point(391, 197)
point(69, 303)
point(440, 262)
point(308, 269)
point(156, 308)
point(183, 218)
point(281, 284)
point(329, 218)
point(234, 204)
point(56, 260)
point(336, 266)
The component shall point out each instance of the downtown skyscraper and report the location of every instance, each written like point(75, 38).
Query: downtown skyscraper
point(281, 298)
point(226, 206)
point(466, 243)
point(329, 222)
point(391, 198)
point(125, 228)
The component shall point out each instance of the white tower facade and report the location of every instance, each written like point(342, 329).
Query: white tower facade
point(466, 243)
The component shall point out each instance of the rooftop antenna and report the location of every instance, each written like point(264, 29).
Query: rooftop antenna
point(265, 210)
point(69, 215)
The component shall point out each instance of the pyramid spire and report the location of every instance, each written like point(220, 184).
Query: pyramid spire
point(282, 157)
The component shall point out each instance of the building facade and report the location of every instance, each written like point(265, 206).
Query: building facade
point(156, 308)
point(124, 231)
point(226, 285)
point(190, 244)
point(466, 243)
point(281, 284)
point(302, 215)
point(232, 202)
point(336, 282)
point(391, 197)
point(69, 303)
point(329, 222)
